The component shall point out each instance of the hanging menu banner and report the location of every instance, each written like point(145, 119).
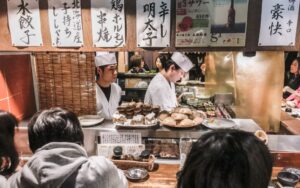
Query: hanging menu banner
point(203, 23)
point(153, 23)
point(24, 22)
point(278, 24)
point(108, 23)
point(65, 23)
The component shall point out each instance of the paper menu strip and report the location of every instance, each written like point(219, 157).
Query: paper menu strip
point(120, 138)
point(106, 150)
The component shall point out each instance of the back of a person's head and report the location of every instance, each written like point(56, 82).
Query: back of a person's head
point(227, 159)
point(9, 158)
point(136, 60)
point(54, 125)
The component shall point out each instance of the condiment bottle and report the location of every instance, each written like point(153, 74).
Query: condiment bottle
point(145, 155)
point(117, 152)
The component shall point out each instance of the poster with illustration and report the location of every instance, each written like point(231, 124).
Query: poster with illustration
point(203, 23)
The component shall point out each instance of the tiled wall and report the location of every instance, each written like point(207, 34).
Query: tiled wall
point(16, 85)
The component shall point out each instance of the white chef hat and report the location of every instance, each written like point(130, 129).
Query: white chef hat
point(182, 61)
point(105, 58)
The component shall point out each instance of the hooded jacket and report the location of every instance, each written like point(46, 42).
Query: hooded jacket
point(2, 182)
point(62, 164)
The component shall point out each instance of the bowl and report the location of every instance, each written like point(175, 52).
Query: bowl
point(136, 173)
point(287, 178)
point(292, 170)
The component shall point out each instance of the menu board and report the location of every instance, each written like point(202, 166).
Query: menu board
point(203, 23)
point(65, 23)
point(279, 20)
point(120, 138)
point(153, 23)
point(108, 23)
point(24, 22)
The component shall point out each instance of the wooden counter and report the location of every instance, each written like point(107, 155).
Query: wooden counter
point(165, 177)
point(289, 124)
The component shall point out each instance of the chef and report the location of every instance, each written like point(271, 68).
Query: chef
point(161, 90)
point(108, 93)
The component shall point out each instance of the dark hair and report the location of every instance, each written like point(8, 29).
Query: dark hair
point(136, 60)
point(227, 158)
point(168, 64)
point(54, 125)
point(8, 122)
point(163, 58)
point(298, 60)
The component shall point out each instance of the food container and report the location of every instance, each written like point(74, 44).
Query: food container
point(127, 164)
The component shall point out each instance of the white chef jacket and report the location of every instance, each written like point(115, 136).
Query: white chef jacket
point(161, 92)
point(107, 108)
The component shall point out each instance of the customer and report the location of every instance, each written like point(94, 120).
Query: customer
point(161, 90)
point(108, 93)
point(202, 68)
point(137, 63)
point(9, 158)
point(227, 158)
point(292, 77)
point(59, 160)
point(294, 99)
point(160, 60)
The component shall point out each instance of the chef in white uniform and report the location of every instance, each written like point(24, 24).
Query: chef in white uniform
point(108, 93)
point(161, 90)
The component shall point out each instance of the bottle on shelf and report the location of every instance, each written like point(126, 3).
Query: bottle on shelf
point(231, 16)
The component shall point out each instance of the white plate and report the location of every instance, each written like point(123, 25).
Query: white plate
point(219, 123)
point(90, 120)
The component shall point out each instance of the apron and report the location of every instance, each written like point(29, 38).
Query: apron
point(161, 93)
point(107, 108)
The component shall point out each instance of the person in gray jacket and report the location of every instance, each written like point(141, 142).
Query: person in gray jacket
point(59, 160)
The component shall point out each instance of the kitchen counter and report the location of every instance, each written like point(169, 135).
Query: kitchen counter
point(91, 133)
point(165, 176)
point(289, 124)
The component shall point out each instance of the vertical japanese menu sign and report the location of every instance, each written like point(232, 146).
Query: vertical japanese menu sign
point(153, 23)
point(24, 22)
point(108, 23)
point(65, 23)
point(201, 23)
point(278, 24)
